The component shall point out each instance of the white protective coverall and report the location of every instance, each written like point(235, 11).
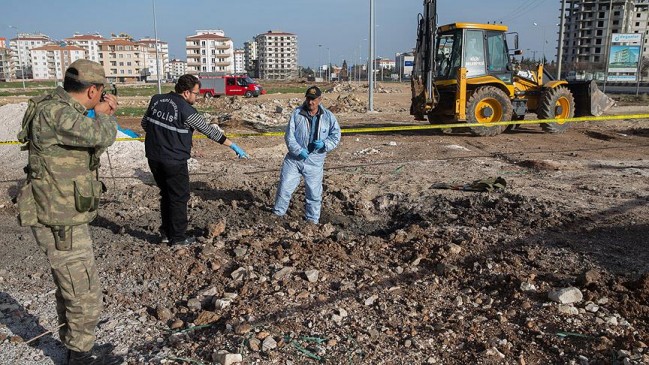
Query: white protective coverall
point(301, 131)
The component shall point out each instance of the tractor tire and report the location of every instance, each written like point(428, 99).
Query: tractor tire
point(248, 94)
point(488, 104)
point(556, 103)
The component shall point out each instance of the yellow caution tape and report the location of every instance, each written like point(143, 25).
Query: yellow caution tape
point(419, 127)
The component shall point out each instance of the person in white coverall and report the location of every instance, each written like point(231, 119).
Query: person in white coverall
point(312, 131)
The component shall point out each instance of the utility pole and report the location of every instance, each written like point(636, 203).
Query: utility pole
point(608, 42)
point(371, 59)
point(561, 30)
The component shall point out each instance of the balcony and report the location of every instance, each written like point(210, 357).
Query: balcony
point(223, 46)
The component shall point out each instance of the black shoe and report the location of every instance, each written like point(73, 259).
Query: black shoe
point(88, 358)
point(182, 242)
point(163, 238)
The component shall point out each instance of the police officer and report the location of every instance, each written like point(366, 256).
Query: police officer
point(61, 196)
point(169, 123)
point(312, 131)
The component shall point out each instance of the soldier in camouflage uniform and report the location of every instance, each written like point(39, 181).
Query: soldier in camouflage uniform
point(61, 196)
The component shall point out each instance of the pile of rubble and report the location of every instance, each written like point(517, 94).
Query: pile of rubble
point(266, 116)
point(347, 103)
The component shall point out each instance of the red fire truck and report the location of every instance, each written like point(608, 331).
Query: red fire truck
point(216, 84)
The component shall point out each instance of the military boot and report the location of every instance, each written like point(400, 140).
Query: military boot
point(89, 358)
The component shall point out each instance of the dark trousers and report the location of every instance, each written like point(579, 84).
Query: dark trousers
point(173, 181)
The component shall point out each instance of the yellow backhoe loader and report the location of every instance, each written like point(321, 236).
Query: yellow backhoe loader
point(463, 72)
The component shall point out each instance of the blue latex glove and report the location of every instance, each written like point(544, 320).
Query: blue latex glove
point(91, 113)
point(318, 144)
point(304, 154)
point(240, 153)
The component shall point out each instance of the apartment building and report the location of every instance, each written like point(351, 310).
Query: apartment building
point(589, 23)
point(177, 68)
point(404, 63)
point(50, 61)
point(6, 64)
point(277, 55)
point(123, 59)
point(250, 58)
point(239, 61)
point(209, 51)
point(150, 61)
point(5, 56)
point(384, 63)
point(21, 47)
point(89, 42)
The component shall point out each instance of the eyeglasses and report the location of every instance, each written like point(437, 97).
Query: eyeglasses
point(197, 93)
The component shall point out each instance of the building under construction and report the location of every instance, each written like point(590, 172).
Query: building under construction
point(590, 23)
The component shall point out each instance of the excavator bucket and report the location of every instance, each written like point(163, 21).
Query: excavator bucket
point(589, 99)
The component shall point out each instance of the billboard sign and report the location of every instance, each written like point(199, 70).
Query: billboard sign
point(626, 38)
point(624, 58)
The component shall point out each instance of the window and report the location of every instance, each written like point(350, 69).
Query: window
point(474, 53)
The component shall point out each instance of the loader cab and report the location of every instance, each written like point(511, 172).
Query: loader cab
point(480, 48)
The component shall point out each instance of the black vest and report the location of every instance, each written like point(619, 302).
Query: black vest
point(168, 139)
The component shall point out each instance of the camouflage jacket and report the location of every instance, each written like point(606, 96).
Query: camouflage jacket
point(64, 147)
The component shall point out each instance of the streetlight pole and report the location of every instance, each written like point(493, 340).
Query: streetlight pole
point(320, 61)
point(360, 60)
point(376, 65)
point(20, 62)
point(329, 64)
point(543, 47)
point(157, 57)
point(371, 58)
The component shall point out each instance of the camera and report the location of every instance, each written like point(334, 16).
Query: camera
point(112, 90)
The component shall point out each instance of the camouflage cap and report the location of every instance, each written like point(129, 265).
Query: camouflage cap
point(87, 72)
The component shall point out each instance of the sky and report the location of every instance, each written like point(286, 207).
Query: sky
point(330, 30)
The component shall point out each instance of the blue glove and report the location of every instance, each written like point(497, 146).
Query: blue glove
point(304, 154)
point(318, 144)
point(91, 113)
point(240, 153)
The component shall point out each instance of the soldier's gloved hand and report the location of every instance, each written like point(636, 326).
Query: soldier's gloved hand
point(304, 154)
point(239, 151)
point(318, 144)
